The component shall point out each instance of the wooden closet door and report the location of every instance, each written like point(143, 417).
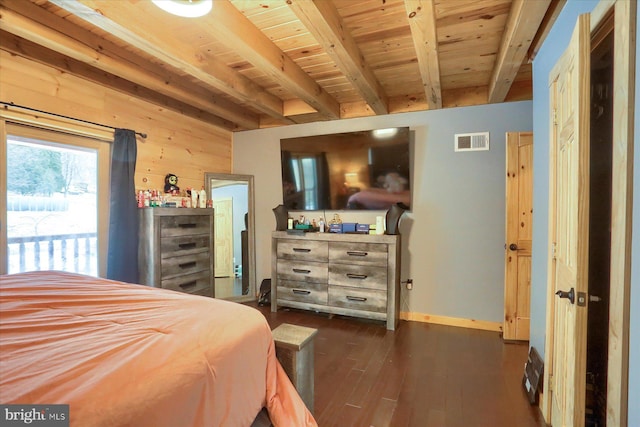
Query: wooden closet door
point(569, 217)
point(519, 211)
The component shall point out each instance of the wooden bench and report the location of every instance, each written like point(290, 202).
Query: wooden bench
point(294, 350)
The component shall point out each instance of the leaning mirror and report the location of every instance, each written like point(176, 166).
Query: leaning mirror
point(234, 242)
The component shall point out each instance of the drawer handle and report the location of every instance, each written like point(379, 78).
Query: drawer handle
point(357, 253)
point(356, 276)
point(358, 299)
point(301, 250)
point(188, 225)
point(188, 284)
point(187, 245)
point(301, 271)
point(300, 292)
point(187, 264)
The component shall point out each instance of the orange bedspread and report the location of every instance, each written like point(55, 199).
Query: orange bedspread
point(131, 355)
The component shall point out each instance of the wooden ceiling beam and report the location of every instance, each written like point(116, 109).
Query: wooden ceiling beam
point(147, 36)
point(422, 20)
point(322, 20)
point(231, 27)
point(522, 25)
point(462, 97)
point(37, 25)
point(555, 7)
point(294, 107)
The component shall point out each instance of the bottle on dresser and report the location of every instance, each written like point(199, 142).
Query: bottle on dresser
point(202, 198)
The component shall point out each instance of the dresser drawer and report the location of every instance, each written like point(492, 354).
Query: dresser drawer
point(358, 276)
point(183, 245)
point(302, 271)
point(346, 274)
point(180, 265)
point(198, 283)
point(303, 250)
point(184, 225)
point(360, 253)
point(313, 293)
point(358, 299)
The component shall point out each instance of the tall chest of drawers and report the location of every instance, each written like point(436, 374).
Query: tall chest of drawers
point(175, 249)
point(350, 274)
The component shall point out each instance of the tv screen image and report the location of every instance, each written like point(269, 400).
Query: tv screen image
point(362, 170)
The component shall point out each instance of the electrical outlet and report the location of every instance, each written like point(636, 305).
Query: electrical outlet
point(409, 284)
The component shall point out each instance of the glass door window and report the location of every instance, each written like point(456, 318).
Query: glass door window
point(53, 203)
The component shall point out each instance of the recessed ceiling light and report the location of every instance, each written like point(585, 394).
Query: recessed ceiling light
point(186, 8)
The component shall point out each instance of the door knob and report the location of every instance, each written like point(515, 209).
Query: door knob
point(571, 295)
point(513, 247)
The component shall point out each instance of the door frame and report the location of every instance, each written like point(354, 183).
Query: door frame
point(97, 138)
point(622, 216)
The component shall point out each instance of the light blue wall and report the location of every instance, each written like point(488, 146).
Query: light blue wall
point(453, 238)
point(551, 50)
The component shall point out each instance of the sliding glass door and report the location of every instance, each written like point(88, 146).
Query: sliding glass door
point(55, 201)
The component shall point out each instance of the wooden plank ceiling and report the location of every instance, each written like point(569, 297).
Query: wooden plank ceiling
point(258, 63)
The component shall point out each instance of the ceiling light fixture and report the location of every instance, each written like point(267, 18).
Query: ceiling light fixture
point(185, 8)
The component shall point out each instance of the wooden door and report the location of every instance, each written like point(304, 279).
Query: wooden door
point(569, 220)
point(223, 237)
point(519, 211)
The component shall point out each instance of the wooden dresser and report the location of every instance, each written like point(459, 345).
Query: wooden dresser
point(350, 274)
point(175, 250)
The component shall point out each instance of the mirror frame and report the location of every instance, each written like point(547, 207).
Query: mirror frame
point(251, 236)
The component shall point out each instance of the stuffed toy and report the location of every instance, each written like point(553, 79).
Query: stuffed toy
point(171, 184)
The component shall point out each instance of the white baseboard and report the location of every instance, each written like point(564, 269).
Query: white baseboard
point(452, 321)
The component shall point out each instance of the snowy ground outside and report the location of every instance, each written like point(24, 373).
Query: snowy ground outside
point(80, 217)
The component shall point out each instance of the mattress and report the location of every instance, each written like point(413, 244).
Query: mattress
point(122, 354)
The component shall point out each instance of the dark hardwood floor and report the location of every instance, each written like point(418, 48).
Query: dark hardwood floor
point(420, 375)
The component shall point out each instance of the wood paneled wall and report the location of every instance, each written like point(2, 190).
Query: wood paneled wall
point(174, 144)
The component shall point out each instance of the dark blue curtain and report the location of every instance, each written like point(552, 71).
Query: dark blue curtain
point(122, 256)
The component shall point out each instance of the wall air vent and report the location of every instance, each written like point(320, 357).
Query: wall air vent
point(478, 141)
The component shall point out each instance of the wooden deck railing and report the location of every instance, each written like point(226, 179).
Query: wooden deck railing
point(67, 252)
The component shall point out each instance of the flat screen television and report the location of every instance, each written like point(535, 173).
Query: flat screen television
point(363, 170)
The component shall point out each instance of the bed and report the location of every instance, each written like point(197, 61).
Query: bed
point(130, 355)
